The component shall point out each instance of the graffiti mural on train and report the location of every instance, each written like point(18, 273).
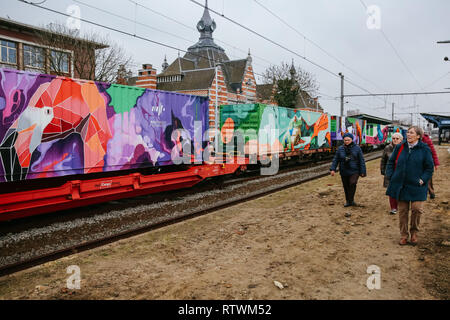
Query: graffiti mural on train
point(342, 125)
point(296, 129)
point(355, 127)
point(306, 130)
point(54, 126)
point(377, 133)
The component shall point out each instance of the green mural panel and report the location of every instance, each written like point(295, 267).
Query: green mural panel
point(124, 98)
point(278, 128)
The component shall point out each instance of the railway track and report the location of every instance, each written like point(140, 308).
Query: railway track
point(54, 239)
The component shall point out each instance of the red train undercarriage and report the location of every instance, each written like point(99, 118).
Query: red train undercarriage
point(79, 193)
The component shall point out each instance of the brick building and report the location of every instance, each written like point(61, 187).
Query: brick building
point(205, 70)
point(22, 48)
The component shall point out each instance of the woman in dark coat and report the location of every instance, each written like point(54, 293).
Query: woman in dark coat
point(351, 163)
point(397, 138)
point(409, 169)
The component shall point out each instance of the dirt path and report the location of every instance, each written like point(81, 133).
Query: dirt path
point(300, 237)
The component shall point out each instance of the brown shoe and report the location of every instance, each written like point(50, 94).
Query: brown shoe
point(403, 241)
point(413, 239)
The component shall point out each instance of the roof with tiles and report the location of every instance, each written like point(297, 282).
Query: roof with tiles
point(196, 68)
point(191, 80)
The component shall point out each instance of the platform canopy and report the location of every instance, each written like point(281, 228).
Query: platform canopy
point(440, 121)
point(371, 119)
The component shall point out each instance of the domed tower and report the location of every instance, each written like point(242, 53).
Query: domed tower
point(165, 65)
point(206, 51)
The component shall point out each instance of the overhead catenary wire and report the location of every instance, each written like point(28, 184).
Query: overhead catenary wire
point(314, 43)
point(280, 45)
point(193, 29)
point(117, 30)
point(323, 50)
point(437, 80)
point(396, 51)
point(135, 22)
point(266, 38)
point(130, 20)
point(148, 26)
point(397, 94)
point(176, 36)
point(130, 34)
point(104, 26)
point(125, 33)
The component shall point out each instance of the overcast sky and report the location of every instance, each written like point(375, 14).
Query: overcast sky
point(396, 53)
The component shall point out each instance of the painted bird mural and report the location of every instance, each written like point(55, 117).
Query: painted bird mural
point(57, 109)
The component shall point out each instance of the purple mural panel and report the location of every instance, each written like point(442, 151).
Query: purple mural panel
point(64, 155)
point(54, 126)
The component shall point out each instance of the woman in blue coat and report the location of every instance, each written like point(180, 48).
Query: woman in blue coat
point(409, 169)
point(351, 163)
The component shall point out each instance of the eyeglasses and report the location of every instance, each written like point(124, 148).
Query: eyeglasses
point(395, 138)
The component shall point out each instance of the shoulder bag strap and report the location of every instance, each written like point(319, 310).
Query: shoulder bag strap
point(398, 155)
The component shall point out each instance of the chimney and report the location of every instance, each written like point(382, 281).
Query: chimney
point(147, 77)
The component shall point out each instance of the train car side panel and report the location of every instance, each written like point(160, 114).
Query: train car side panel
point(377, 133)
point(270, 129)
point(342, 125)
point(56, 126)
point(240, 120)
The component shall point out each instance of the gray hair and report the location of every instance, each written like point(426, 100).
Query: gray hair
point(418, 130)
point(397, 135)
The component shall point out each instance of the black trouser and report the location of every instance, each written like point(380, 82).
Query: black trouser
point(350, 183)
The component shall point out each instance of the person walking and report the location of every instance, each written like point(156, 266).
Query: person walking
point(426, 139)
point(350, 159)
point(409, 169)
point(397, 138)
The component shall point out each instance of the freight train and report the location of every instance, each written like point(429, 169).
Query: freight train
point(67, 143)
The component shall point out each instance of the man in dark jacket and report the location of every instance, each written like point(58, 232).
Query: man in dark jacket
point(409, 169)
point(351, 163)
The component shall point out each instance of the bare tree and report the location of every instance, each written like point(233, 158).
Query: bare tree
point(94, 57)
point(110, 62)
point(305, 80)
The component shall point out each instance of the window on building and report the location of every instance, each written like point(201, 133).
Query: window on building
point(8, 51)
point(33, 57)
point(59, 61)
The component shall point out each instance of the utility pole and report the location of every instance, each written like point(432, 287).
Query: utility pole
point(216, 113)
point(393, 108)
point(342, 93)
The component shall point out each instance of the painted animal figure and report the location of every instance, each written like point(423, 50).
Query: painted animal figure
point(57, 109)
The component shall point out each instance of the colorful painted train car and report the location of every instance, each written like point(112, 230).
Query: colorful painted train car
point(367, 133)
point(56, 126)
point(68, 143)
point(265, 129)
point(342, 125)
